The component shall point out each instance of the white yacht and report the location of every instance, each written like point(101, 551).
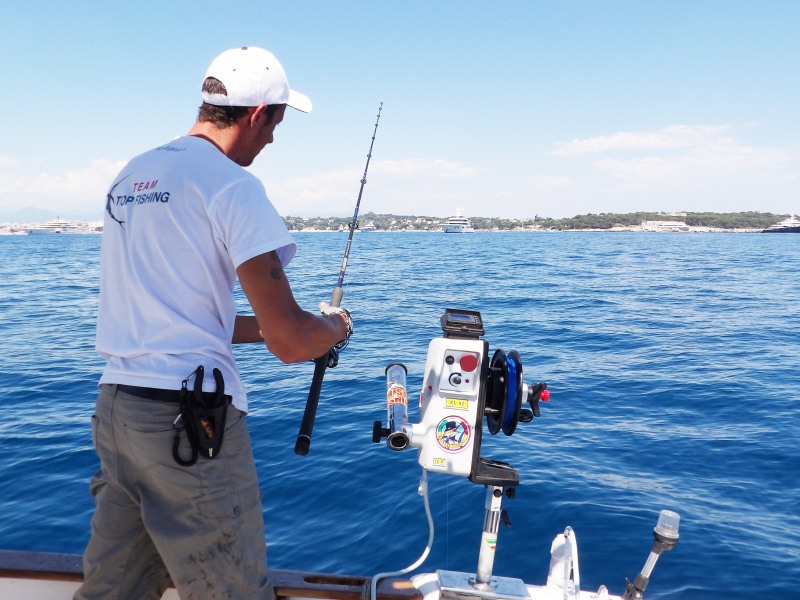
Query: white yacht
point(57, 225)
point(369, 226)
point(790, 225)
point(457, 223)
point(62, 226)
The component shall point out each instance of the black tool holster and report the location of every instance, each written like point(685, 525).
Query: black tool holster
point(203, 417)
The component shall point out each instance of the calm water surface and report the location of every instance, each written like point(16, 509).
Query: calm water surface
point(672, 361)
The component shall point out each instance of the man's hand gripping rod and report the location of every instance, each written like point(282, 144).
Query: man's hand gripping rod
point(330, 359)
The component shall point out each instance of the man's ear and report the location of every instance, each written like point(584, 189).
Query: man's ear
point(259, 117)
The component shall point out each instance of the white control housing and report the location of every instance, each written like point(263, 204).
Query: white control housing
point(449, 424)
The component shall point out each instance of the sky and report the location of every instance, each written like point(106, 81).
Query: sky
point(507, 109)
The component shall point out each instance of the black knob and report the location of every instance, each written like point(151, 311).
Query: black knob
point(525, 415)
point(378, 432)
point(504, 518)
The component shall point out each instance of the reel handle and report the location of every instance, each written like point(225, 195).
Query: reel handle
point(537, 392)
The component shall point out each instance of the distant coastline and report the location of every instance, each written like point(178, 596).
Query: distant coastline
point(742, 222)
point(684, 222)
point(540, 230)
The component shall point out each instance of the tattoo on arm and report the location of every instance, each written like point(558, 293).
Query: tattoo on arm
point(276, 272)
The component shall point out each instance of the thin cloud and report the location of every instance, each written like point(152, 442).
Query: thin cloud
point(90, 181)
point(667, 138)
point(48, 188)
point(713, 158)
point(419, 166)
point(676, 151)
point(550, 181)
point(401, 183)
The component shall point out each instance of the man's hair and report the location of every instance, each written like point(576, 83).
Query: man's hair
point(224, 117)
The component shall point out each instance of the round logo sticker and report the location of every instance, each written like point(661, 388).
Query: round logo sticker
point(453, 434)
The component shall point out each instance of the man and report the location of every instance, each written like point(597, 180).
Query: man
point(182, 222)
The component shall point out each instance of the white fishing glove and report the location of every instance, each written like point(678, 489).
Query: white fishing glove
point(328, 310)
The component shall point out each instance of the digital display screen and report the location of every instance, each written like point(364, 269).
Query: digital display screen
point(461, 318)
point(462, 323)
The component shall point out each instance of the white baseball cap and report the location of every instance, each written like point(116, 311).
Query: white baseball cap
point(253, 76)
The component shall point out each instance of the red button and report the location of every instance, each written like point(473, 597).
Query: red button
point(468, 362)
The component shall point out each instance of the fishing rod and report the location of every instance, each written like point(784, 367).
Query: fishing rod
point(331, 358)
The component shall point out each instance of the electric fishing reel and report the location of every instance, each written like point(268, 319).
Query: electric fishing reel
point(506, 392)
point(461, 387)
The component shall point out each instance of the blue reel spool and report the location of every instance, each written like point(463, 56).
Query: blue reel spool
point(504, 392)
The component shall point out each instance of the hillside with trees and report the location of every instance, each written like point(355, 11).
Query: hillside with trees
point(740, 220)
point(388, 222)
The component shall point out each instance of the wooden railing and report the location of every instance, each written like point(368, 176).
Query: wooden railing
point(288, 584)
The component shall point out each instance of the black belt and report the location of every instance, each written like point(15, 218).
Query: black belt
point(163, 395)
point(151, 393)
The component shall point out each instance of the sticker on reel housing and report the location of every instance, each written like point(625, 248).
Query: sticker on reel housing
point(396, 394)
point(457, 403)
point(453, 433)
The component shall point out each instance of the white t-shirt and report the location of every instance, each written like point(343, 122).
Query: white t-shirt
point(179, 220)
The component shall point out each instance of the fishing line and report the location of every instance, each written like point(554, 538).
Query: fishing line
point(447, 524)
point(423, 491)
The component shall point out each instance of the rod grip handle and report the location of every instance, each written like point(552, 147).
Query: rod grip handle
point(303, 443)
point(336, 296)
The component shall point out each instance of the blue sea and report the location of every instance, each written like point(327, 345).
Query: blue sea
point(672, 361)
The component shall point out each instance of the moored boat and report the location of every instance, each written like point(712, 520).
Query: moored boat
point(458, 223)
point(57, 225)
point(62, 226)
point(11, 230)
point(789, 225)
